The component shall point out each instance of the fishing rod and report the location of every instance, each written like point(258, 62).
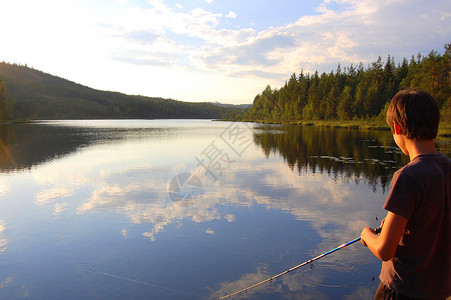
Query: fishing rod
point(376, 230)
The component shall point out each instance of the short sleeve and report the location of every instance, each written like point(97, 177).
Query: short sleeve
point(404, 196)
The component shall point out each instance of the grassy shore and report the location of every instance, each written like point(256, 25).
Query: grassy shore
point(444, 128)
point(15, 121)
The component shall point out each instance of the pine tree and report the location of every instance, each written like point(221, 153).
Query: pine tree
point(310, 111)
point(345, 107)
point(356, 92)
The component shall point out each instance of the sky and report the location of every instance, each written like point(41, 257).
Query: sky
point(224, 51)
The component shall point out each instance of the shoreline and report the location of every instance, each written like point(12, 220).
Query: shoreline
point(444, 129)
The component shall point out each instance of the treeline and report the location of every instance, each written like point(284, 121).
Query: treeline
point(355, 92)
point(38, 95)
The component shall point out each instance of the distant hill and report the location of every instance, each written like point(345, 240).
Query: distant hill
point(38, 95)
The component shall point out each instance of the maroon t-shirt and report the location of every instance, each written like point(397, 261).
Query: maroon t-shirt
point(421, 193)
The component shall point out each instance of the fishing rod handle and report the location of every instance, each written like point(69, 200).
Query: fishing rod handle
point(377, 230)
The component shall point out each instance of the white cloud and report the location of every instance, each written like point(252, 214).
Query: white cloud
point(52, 194)
point(445, 15)
point(6, 282)
point(313, 42)
point(149, 235)
point(143, 200)
point(231, 15)
point(3, 241)
point(60, 207)
point(230, 218)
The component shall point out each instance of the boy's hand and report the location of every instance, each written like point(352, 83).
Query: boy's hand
point(368, 230)
point(364, 232)
point(361, 239)
point(384, 245)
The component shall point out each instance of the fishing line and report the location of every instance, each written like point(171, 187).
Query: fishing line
point(310, 261)
point(145, 283)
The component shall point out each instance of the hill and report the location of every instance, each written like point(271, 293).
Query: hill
point(38, 95)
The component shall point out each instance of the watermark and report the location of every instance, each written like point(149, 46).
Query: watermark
point(237, 138)
point(185, 189)
point(214, 159)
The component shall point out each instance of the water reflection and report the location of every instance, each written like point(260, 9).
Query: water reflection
point(348, 154)
point(23, 146)
point(95, 194)
point(3, 242)
point(305, 284)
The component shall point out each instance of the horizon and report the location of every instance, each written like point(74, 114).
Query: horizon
point(210, 50)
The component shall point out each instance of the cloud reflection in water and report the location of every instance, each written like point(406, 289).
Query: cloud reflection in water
point(283, 202)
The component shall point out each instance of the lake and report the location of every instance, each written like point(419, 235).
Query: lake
point(189, 209)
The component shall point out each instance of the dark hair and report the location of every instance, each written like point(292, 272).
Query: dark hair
point(416, 112)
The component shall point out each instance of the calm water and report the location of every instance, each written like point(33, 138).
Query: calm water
point(188, 209)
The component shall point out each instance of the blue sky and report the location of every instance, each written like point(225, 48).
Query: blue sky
point(213, 50)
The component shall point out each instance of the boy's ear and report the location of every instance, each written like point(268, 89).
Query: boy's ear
point(397, 128)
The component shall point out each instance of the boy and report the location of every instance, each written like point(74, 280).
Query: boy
point(415, 241)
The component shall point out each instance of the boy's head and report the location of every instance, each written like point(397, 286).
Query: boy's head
point(416, 112)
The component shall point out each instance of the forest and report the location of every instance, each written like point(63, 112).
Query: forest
point(29, 94)
point(355, 92)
